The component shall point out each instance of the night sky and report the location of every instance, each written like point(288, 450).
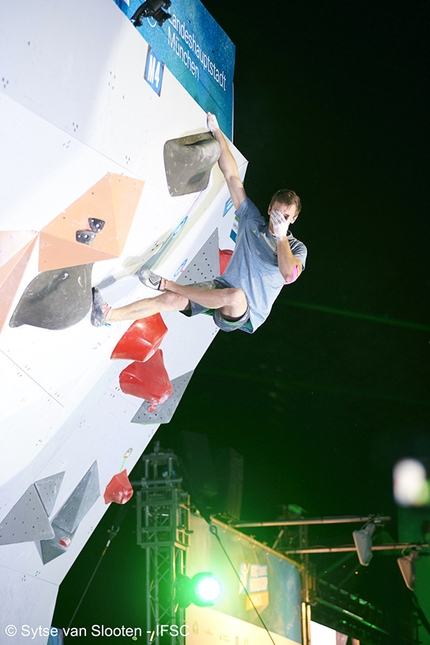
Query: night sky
point(331, 100)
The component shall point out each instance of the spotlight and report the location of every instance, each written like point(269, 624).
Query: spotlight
point(407, 567)
point(363, 543)
point(410, 486)
point(151, 9)
point(201, 590)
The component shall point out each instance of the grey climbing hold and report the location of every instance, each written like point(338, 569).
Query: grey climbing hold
point(188, 162)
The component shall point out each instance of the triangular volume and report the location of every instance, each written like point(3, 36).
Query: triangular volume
point(205, 265)
point(13, 267)
point(165, 411)
point(56, 546)
point(57, 253)
point(12, 245)
point(27, 521)
point(48, 489)
point(113, 200)
point(125, 196)
point(79, 503)
point(50, 550)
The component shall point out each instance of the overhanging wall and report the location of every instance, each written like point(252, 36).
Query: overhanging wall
point(79, 119)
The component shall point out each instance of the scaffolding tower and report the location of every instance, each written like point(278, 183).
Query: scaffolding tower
point(163, 520)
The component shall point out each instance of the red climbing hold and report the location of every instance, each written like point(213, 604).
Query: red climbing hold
point(148, 380)
point(141, 340)
point(119, 490)
point(224, 259)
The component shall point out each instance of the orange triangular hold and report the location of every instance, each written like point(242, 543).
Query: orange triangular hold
point(12, 245)
point(114, 200)
point(15, 251)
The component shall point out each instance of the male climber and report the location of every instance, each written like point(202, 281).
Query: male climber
point(265, 258)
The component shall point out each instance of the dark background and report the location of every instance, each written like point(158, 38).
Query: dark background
point(331, 100)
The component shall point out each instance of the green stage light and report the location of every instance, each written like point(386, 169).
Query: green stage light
point(206, 587)
point(201, 590)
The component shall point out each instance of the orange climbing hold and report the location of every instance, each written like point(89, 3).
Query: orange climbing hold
point(148, 380)
point(141, 340)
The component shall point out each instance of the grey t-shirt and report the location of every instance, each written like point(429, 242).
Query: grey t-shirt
point(254, 264)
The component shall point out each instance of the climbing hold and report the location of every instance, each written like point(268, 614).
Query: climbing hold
point(96, 225)
point(141, 340)
point(55, 299)
point(85, 237)
point(188, 162)
point(119, 490)
point(224, 259)
point(148, 380)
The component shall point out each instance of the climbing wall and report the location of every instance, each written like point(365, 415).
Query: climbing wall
point(89, 194)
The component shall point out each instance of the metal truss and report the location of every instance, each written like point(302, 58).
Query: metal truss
point(163, 519)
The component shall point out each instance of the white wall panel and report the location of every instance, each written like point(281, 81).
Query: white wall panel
point(43, 168)
point(62, 55)
point(74, 106)
point(26, 602)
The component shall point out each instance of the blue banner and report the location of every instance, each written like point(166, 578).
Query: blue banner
point(198, 53)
